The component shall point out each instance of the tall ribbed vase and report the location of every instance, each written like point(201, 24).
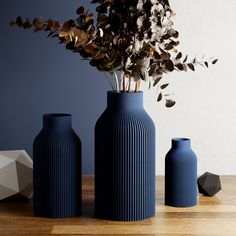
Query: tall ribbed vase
point(57, 169)
point(124, 160)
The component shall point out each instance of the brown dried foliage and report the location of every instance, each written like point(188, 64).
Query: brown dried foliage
point(124, 39)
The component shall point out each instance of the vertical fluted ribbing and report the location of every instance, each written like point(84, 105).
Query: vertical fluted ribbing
point(57, 175)
point(125, 165)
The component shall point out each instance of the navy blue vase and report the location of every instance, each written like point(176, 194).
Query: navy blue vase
point(124, 160)
point(181, 174)
point(57, 169)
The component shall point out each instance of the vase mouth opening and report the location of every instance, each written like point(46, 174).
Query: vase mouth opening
point(181, 139)
point(57, 122)
point(127, 92)
point(56, 115)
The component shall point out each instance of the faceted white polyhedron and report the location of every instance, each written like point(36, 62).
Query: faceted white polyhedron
point(16, 174)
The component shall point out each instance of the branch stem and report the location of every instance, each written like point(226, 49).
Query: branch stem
point(117, 83)
point(110, 82)
point(124, 86)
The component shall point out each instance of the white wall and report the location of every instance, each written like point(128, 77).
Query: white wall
point(206, 99)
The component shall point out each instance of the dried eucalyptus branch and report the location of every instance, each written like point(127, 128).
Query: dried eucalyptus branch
point(135, 37)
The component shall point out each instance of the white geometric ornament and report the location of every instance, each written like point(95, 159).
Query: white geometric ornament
point(16, 174)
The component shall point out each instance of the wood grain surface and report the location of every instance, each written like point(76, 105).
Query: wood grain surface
point(212, 216)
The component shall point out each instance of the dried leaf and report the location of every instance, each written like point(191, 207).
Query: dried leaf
point(55, 35)
point(80, 10)
point(179, 66)
point(98, 55)
point(168, 94)
point(170, 45)
point(185, 59)
point(156, 55)
point(102, 8)
point(63, 34)
point(176, 34)
point(37, 23)
point(152, 69)
point(185, 67)
point(101, 33)
point(191, 66)
point(149, 84)
point(27, 24)
point(142, 75)
point(170, 103)
point(164, 86)
point(19, 21)
point(49, 24)
point(89, 19)
point(56, 25)
point(169, 65)
point(160, 96)
point(157, 81)
point(90, 48)
point(50, 34)
point(179, 55)
point(84, 36)
point(164, 55)
point(214, 61)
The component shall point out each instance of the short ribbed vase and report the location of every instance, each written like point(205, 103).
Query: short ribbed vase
point(124, 160)
point(57, 169)
point(181, 174)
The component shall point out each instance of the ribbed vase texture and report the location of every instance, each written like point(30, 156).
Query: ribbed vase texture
point(57, 169)
point(181, 174)
point(125, 160)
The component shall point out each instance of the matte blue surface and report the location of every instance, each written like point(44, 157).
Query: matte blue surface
point(57, 169)
point(125, 160)
point(38, 76)
point(181, 174)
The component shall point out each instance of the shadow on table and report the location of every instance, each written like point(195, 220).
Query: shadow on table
point(18, 206)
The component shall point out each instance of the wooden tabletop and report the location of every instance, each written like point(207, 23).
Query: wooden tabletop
point(212, 216)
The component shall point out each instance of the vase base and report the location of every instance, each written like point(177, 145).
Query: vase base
point(179, 205)
point(57, 215)
point(124, 218)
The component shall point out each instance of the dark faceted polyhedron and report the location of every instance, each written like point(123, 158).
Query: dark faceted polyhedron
point(209, 184)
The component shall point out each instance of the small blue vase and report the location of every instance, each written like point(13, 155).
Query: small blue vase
point(124, 160)
point(181, 174)
point(57, 169)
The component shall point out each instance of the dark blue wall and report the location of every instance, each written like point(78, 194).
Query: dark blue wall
point(39, 76)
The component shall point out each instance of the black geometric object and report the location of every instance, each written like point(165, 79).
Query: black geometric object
point(209, 184)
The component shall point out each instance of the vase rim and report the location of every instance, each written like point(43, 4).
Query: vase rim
point(56, 115)
point(127, 92)
point(181, 139)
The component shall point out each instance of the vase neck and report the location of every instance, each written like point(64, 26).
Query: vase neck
point(124, 100)
point(181, 143)
point(58, 123)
